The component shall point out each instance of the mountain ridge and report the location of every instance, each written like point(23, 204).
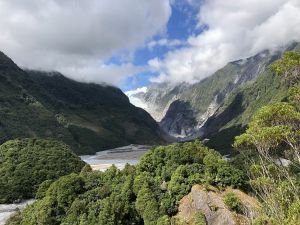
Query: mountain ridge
point(207, 96)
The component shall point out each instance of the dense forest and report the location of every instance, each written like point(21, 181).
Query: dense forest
point(26, 163)
point(267, 167)
point(146, 194)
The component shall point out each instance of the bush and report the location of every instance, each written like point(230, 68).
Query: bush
point(200, 218)
point(232, 201)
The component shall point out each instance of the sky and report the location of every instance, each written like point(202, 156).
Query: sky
point(133, 43)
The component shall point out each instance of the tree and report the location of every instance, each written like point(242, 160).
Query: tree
point(288, 67)
point(147, 206)
point(274, 132)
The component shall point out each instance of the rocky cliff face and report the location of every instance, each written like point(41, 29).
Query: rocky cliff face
point(206, 96)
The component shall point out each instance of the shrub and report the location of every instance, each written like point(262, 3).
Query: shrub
point(200, 218)
point(232, 201)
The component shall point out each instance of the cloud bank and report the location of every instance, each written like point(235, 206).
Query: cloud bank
point(76, 37)
point(235, 29)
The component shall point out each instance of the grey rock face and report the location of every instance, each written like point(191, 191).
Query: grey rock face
point(179, 120)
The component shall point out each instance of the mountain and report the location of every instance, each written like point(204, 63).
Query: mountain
point(89, 117)
point(194, 110)
point(232, 117)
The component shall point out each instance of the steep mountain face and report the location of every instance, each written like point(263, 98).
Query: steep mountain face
point(233, 115)
point(201, 101)
point(159, 97)
point(88, 117)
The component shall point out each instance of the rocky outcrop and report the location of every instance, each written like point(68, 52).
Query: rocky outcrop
point(209, 202)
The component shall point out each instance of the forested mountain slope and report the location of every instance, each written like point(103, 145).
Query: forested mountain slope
point(89, 117)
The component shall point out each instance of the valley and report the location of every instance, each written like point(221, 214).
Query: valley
point(150, 112)
point(88, 117)
point(84, 153)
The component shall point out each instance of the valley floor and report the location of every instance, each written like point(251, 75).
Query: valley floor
point(119, 157)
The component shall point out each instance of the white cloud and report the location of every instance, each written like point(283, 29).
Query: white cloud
point(134, 99)
point(77, 36)
point(142, 90)
point(236, 29)
point(165, 43)
point(97, 72)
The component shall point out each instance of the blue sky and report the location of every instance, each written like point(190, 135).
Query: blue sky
point(181, 25)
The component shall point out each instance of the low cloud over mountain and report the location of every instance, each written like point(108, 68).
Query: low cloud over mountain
point(232, 30)
point(76, 37)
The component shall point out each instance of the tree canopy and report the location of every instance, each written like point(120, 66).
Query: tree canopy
point(146, 194)
point(26, 163)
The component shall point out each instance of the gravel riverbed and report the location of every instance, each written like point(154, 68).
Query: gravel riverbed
point(130, 154)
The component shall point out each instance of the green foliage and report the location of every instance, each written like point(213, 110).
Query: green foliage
point(43, 187)
point(181, 166)
point(293, 213)
point(238, 108)
point(271, 127)
point(294, 96)
point(200, 218)
point(25, 164)
point(232, 201)
point(164, 220)
point(288, 67)
point(147, 206)
point(134, 195)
